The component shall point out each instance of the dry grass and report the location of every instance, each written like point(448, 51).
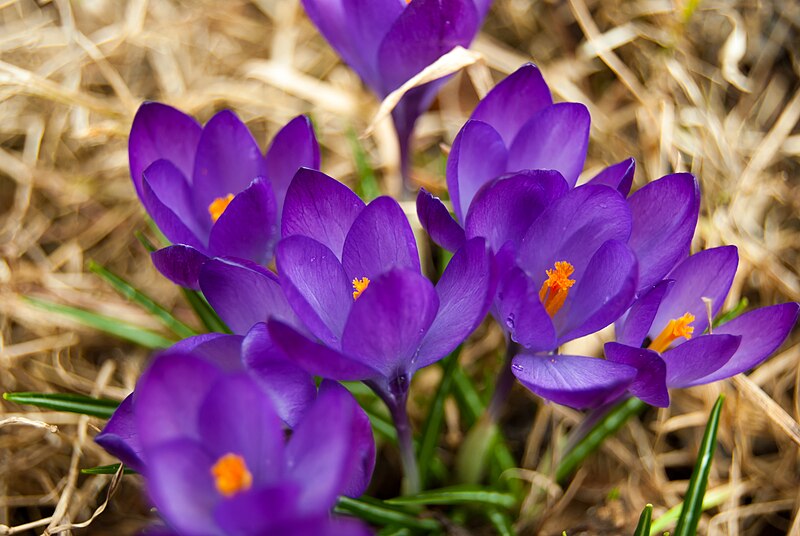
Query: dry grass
point(712, 87)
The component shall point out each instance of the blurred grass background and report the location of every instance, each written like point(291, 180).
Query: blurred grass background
point(712, 87)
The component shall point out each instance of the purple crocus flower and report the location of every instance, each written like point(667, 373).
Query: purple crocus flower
point(290, 388)
point(217, 460)
point(204, 185)
point(388, 41)
point(667, 338)
point(358, 306)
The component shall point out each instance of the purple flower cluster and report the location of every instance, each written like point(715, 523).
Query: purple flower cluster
point(230, 430)
point(574, 260)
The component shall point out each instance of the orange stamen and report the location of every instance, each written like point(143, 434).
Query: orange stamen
point(677, 328)
point(218, 206)
point(231, 475)
point(359, 286)
point(556, 287)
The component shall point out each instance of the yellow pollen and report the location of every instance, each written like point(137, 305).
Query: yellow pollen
point(359, 286)
point(218, 206)
point(677, 328)
point(231, 475)
point(556, 287)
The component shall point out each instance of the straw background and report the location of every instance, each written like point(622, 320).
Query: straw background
point(711, 87)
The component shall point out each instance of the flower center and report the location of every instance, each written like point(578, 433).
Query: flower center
point(231, 475)
point(676, 328)
point(218, 206)
point(556, 287)
point(359, 286)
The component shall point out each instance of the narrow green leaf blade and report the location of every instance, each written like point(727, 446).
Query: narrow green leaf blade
point(204, 312)
point(605, 427)
point(72, 403)
point(501, 522)
point(374, 511)
point(433, 424)
point(712, 498)
point(107, 470)
point(458, 495)
point(107, 324)
point(367, 186)
point(643, 528)
point(146, 302)
point(693, 501)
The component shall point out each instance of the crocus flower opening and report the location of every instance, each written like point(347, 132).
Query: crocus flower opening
point(388, 41)
point(217, 460)
point(666, 335)
point(204, 186)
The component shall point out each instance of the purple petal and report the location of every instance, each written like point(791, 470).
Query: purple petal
point(165, 196)
point(389, 320)
point(228, 159)
point(517, 98)
point(575, 381)
point(270, 510)
point(223, 350)
point(379, 240)
point(243, 294)
point(604, 292)
point(762, 331)
point(119, 436)
point(321, 208)
point(697, 358)
point(572, 229)
point(504, 209)
point(248, 228)
point(169, 395)
point(294, 146)
point(367, 23)
point(618, 176)
point(437, 221)
point(288, 385)
point(650, 384)
point(424, 31)
point(319, 359)
point(664, 215)
point(320, 449)
point(180, 485)
point(706, 274)
point(160, 131)
point(522, 314)
point(478, 155)
point(556, 138)
point(237, 417)
point(180, 264)
point(316, 286)
point(361, 459)
point(465, 291)
point(633, 327)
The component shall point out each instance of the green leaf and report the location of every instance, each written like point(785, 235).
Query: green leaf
point(693, 501)
point(433, 424)
point(605, 427)
point(472, 407)
point(713, 498)
point(73, 403)
point(501, 522)
point(643, 528)
point(394, 531)
point(204, 312)
point(107, 324)
point(367, 186)
point(733, 313)
point(148, 304)
point(458, 495)
point(376, 512)
point(107, 470)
